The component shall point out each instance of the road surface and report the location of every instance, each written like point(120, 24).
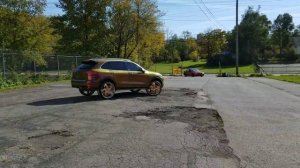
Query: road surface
point(195, 122)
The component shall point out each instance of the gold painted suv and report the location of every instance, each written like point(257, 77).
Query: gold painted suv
point(110, 74)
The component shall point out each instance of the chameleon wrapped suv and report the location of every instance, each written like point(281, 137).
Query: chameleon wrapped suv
point(110, 74)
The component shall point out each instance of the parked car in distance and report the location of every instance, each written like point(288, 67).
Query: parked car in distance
point(107, 75)
point(193, 72)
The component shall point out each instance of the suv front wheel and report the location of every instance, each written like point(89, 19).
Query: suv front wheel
point(154, 88)
point(107, 90)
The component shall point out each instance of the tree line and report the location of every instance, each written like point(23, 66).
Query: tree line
point(260, 41)
point(93, 28)
point(132, 29)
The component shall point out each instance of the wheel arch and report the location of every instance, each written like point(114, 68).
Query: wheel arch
point(107, 80)
point(158, 79)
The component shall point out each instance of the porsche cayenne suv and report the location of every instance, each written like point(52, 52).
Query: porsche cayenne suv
point(110, 74)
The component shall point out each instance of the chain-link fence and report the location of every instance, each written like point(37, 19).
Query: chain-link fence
point(53, 65)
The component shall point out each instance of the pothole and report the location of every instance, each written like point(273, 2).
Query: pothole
point(50, 141)
point(204, 122)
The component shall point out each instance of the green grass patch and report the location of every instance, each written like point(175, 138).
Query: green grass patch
point(166, 68)
point(287, 78)
point(14, 80)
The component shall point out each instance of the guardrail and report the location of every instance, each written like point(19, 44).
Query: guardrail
point(280, 68)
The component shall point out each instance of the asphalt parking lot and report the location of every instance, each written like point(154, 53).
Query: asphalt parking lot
point(195, 122)
point(54, 126)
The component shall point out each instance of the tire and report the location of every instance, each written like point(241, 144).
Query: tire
point(154, 88)
point(86, 92)
point(135, 90)
point(107, 90)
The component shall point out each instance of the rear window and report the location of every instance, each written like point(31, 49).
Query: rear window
point(86, 65)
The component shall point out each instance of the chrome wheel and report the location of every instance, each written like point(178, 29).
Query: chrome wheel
point(154, 88)
point(86, 92)
point(107, 90)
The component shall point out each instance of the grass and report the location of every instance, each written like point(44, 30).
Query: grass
point(31, 85)
point(166, 68)
point(287, 78)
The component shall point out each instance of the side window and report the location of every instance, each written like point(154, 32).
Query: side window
point(114, 65)
point(132, 67)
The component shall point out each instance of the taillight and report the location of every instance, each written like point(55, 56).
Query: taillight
point(92, 76)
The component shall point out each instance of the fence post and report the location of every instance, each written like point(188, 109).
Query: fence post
point(34, 68)
point(3, 60)
point(3, 65)
point(57, 59)
point(76, 61)
point(272, 70)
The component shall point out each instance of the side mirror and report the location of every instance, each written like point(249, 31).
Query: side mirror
point(142, 70)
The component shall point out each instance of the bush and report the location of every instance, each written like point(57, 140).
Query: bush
point(14, 79)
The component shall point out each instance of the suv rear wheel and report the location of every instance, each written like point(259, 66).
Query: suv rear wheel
point(107, 90)
point(154, 88)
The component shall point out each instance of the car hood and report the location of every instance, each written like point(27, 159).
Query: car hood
point(153, 73)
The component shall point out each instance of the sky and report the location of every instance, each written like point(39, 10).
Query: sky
point(198, 16)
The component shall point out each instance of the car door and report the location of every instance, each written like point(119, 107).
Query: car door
point(137, 76)
point(118, 72)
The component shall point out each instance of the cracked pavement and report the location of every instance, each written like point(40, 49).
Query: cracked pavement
point(195, 122)
point(54, 126)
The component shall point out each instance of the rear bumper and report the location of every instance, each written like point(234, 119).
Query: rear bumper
point(91, 85)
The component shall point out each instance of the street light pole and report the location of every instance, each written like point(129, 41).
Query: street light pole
point(237, 39)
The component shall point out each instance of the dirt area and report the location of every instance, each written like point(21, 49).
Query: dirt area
point(132, 130)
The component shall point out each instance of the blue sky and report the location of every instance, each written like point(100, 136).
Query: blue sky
point(201, 15)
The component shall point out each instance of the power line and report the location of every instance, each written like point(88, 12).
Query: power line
point(205, 13)
point(213, 16)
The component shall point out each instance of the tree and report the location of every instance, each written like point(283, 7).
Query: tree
point(131, 24)
point(296, 32)
point(282, 31)
point(253, 36)
point(82, 27)
point(213, 42)
point(24, 30)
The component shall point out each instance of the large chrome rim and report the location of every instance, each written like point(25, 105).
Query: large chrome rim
point(154, 88)
point(107, 90)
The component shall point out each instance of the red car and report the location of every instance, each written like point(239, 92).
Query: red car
point(193, 72)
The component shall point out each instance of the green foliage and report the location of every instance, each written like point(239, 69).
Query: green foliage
point(82, 27)
point(194, 56)
point(127, 29)
point(213, 43)
point(24, 30)
point(287, 78)
point(27, 79)
point(282, 31)
point(253, 36)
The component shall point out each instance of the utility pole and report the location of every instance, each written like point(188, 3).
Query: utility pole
point(237, 39)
